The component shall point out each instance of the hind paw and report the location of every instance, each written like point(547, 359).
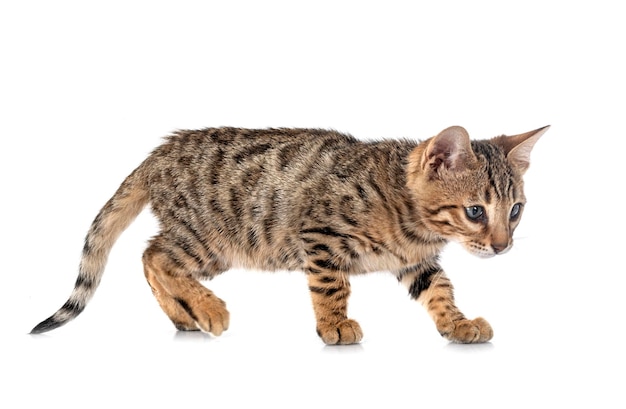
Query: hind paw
point(209, 314)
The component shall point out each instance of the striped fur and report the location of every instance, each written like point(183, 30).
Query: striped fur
point(317, 201)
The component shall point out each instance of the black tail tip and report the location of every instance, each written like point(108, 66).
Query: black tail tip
point(46, 325)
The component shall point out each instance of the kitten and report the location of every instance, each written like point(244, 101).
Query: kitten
point(317, 201)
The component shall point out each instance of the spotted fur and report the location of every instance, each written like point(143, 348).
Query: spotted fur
point(317, 201)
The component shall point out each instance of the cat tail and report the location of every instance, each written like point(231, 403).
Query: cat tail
point(116, 215)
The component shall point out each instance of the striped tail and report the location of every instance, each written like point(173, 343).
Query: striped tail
point(116, 215)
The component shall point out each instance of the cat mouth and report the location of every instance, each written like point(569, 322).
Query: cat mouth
point(485, 252)
point(482, 251)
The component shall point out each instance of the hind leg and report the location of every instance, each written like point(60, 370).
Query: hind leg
point(188, 304)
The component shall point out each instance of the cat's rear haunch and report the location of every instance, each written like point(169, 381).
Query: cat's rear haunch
point(317, 201)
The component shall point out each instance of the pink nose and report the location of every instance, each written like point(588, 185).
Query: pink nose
point(499, 247)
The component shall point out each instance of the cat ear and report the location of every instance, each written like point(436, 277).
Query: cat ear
point(450, 149)
point(517, 147)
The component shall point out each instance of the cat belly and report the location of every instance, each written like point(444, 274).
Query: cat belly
point(365, 263)
point(369, 263)
point(266, 261)
point(401, 258)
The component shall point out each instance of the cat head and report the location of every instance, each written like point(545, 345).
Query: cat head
point(472, 191)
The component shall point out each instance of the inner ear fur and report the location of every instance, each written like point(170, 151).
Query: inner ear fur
point(450, 149)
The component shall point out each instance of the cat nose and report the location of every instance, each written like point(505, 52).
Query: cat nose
point(499, 247)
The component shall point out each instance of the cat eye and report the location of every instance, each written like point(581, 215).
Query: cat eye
point(475, 213)
point(515, 211)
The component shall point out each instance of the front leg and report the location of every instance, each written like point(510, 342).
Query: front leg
point(329, 292)
point(428, 284)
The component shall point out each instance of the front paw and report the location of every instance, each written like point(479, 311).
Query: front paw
point(467, 331)
point(345, 332)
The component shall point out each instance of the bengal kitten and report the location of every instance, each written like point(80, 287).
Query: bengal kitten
point(313, 200)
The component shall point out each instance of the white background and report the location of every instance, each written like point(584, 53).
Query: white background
point(87, 90)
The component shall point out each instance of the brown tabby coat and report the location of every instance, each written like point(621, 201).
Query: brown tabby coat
point(312, 200)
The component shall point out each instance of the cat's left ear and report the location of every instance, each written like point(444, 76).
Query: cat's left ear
point(517, 147)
